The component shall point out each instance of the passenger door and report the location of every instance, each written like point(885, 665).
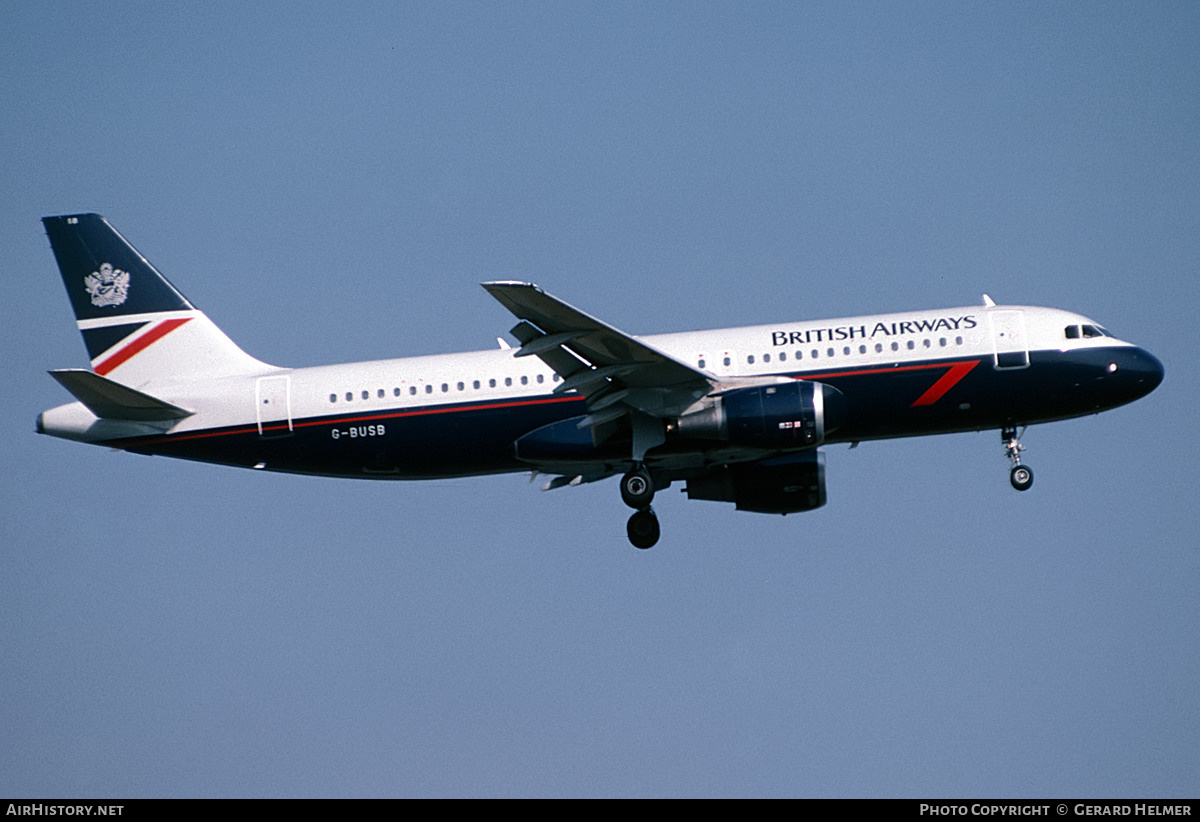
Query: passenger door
point(1009, 342)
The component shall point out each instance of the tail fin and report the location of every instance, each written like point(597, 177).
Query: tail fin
point(136, 326)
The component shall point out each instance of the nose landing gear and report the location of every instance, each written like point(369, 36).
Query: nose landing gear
point(1021, 476)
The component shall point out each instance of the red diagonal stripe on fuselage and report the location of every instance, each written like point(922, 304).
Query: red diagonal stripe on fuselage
point(140, 344)
point(947, 381)
point(955, 372)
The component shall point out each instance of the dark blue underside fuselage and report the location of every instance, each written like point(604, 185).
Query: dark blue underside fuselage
point(460, 439)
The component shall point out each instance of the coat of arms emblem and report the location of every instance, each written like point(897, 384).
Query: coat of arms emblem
point(108, 286)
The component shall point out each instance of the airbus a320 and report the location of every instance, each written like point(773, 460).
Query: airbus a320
point(736, 415)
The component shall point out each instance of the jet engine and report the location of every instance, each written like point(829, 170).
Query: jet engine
point(797, 414)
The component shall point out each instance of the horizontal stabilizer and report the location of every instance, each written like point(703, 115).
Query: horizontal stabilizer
point(111, 400)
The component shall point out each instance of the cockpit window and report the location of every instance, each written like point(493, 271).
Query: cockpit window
point(1075, 332)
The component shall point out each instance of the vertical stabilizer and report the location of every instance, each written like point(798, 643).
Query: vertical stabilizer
point(137, 327)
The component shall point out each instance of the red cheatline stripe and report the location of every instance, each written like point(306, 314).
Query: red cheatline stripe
point(945, 383)
point(365, 417)
point(140, 344)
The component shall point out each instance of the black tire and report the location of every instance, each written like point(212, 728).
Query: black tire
point(643, 529)
point(1021, 477)
point(637, 490)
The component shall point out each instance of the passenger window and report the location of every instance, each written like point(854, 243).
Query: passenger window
point(750, 360)
point(700, 364)
point(878, 348)
point(492, 382)
point(541, 378)
point(727, 362)
point(366, 395)
point(412, 389)
point(895, 346)
point(815, 354)
point(524, 380)
point(942, 342)
point(395, 392)
point(799, 355)
point(829, 352)
point(783, 356)
point(461, 386)
point(766, 357)
point(333, 397)
point(445, 387)
point(911, 345)
point(508, 380)
point(862, 349)
point(475, 385)
point(846, 351)
point(381, 393)
point(429, 388)
point(958, 340)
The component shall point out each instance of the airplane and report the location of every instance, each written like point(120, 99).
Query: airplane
point(737, 415)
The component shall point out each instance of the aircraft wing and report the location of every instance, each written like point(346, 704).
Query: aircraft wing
point(616, 372)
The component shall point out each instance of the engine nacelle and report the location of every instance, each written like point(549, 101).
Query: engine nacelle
point(781, 485)
point(798, 414)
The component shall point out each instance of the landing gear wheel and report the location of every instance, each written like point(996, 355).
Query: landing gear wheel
point(1021, 477)
point(643, 529)
point(637, 489)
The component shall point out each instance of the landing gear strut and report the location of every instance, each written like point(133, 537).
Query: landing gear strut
point(1021, 476)
point(637, 490)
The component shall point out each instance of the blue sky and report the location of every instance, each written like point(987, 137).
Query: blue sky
point(331, 184)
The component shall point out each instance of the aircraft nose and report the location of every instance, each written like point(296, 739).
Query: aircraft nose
point(1141, 370)
point(1155, 371)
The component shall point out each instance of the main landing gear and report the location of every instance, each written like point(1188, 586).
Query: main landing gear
point(642, 528)
point(1021, 476)
point(637, 490)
